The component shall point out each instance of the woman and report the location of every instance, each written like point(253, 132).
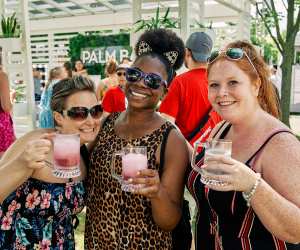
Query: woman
point(7, 135)
point(114, 99)
point(36, 208)
point(111, 79)
point(143, 219)
point(46, 116)
point(255, 203)
point(79, 68)
point(67, 66)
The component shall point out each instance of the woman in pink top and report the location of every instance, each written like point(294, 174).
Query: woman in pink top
point(7, 135)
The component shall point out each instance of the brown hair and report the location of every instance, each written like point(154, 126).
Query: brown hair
point(68, 67)
point(111, 66)
point(53, 74)
point(266, 95)
point(69, 86)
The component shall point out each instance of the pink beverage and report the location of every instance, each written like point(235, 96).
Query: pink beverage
point(66, 154)
point(132, 163)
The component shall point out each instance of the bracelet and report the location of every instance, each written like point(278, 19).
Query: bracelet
point(248, 195)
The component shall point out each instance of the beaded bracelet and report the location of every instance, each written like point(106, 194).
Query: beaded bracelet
point(248, 195)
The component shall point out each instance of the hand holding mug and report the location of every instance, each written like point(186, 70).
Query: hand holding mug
point(148, 182)
point(36, 152)
point(236, 176)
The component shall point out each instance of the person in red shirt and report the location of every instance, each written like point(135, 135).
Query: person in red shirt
point(114, 99)
point(186, 103)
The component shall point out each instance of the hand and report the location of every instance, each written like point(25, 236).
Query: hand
point(236, 176)
point(36, 151)
point(149, 182)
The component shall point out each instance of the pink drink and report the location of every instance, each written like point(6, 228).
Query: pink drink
point(66, 154)
point(132, 163)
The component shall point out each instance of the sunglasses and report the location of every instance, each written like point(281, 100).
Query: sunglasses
point(121, 73)
point(231, 54)
point(81, 113)
point(151, 80)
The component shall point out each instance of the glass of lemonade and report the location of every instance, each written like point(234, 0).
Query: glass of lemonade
point(66, 153)
point(126, 163)
point(212, 147)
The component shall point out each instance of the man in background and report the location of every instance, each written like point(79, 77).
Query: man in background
point(37, 84)
point(186, 103)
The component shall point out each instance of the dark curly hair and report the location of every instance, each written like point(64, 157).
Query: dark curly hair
point(160, 42)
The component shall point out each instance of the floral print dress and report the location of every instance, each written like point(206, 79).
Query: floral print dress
point(38, 215)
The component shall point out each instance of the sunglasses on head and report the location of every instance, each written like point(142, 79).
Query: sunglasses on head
point(151, 80)
point(121, 73)
point(81, 113)
point(231, 54)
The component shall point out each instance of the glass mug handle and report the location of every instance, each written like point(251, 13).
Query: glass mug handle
point(195, 153)
point(113, 166)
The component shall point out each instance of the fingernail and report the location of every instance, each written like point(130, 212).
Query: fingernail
point(138, 173)
point(129, 180)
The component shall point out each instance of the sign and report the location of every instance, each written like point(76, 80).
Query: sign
point(90, 56)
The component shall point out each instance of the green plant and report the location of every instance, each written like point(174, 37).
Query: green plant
point(208, 25)
point(20, 92)
point(156, 22)
point(10, 26)
point(94, 40)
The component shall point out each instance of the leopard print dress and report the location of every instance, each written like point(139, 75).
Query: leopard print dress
point(118, 220)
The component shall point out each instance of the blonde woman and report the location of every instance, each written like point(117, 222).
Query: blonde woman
point(46, 117)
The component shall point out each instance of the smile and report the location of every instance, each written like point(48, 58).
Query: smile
point(134, 93)
point(87, 130)
point(226, 103)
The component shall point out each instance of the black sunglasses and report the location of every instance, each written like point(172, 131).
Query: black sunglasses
point(121, 73)
point(231, 54)
point(151, 80)
point(81, 113)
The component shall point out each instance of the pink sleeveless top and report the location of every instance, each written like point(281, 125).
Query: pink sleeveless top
point(7, 135)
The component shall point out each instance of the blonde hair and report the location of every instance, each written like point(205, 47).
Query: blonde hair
point(53, 74)
point(111, 66)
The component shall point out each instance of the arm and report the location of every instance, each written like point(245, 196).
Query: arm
point(5, 101)
point(276, 200)
point(20, 160)
point(166, 194)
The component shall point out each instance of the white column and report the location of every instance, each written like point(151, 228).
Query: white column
point(136, 15)
point(2, 7)
point(201, 11)
point(243, 27)
point(51, 48)
point(28, 78)
point(184, 13)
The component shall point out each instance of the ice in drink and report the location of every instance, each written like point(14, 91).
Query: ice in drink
point(132, 163)
point(66, 154)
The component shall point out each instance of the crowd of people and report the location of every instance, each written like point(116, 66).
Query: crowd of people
point(226, 94)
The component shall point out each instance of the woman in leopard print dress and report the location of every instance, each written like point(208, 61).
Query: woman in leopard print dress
point(144, 218)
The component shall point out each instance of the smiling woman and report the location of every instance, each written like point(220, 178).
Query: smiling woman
point(254, 203)
point(36, 207)
point(144, 217)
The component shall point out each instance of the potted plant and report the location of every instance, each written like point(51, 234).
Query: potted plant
point(156, 22)
point(10, 37)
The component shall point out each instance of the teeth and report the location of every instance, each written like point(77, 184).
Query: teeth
point(87, 130)
point(225, 103)
point(138, 94)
